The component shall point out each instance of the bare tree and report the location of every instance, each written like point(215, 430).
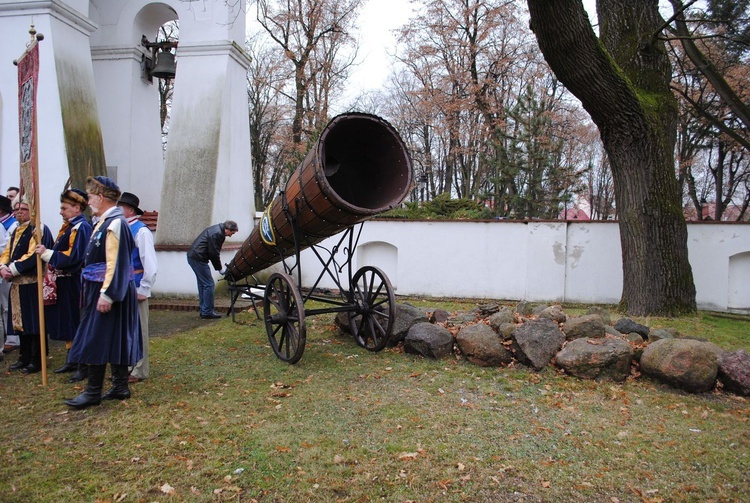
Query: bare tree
point(708, 68)
point(270, 147)
point(168, 32)
point(310, 34)
point(709, 51)
point(484, 116)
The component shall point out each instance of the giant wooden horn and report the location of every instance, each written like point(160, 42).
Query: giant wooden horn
point(357, 169)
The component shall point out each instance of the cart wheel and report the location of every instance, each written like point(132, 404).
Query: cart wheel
point(372, 321)
point(284, 315)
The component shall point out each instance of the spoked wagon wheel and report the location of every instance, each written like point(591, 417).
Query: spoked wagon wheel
point(371, 322)
point(284, 314)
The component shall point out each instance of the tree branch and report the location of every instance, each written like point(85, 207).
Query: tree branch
point(707, 68)
point(714, 120)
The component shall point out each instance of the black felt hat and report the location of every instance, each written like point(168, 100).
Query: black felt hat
point(132, 201)
point(5, 204)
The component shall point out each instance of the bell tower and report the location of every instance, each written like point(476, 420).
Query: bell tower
point(203, 175)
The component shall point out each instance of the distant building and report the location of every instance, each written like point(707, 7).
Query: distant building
point(574, 214)
point(708, 210)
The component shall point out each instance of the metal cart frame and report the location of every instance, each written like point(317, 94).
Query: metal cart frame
point(367, 297)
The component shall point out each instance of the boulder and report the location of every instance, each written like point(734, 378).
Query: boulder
point(406, 316)
point(524, 308)
point(602, 312)
point(537, 309)
point(610, 330)
point(634, 338)
point(426, 339)
point(462, 319)
point(718, 350)
point(554, 313)
point(606, 359)
point(342, 321)
point(482, 346)
point(504, 315)
point(589, 326)
point(506, 331)
point(683, 363)
point(485, 310)
point(626, 325)
point(536, 342)
point(734, 371)
point(658, 334)
point(439, 316)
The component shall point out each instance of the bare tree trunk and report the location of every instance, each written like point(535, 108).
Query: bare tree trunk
point(623, 82)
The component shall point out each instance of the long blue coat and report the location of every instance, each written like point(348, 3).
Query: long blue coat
point(68, 253)
point(113, 337)
point(20, 251)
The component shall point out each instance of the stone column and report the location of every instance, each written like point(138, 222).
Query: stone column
point(69, 135)
point(208, 176)
point(128, 104)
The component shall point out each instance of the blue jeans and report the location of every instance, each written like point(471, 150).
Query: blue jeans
point(205, 286)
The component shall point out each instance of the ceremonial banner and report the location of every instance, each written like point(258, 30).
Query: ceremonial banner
point(28, 75)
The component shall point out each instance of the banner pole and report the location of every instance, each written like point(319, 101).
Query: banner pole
point(30, 168)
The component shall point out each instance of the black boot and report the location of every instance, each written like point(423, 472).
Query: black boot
point(92, 395)
point(119, 389)
point(81, 374)
point(67, 367)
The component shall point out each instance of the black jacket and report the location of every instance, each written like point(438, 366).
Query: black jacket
point(207, 246)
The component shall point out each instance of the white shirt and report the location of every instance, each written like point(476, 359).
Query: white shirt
point(144, 240)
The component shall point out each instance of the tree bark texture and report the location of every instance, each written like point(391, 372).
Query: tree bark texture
point(622, 81)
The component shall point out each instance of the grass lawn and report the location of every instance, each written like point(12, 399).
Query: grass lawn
point(221, 419)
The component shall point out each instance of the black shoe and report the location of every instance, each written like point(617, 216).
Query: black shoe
point(68, 367)
point(117, 393)
point(18, 365)
point(31, 368)
point(84, 400)
point(211, 316)
point(81, 374)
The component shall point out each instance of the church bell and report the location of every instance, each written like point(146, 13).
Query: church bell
point(165, 65)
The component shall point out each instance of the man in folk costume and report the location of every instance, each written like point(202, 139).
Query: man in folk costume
point(109, 331)
point(18, 265)
point(145, 267)
point(63, 280)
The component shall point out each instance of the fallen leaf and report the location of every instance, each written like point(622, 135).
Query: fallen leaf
point(443, 484)
point(546, 484)
point(167, 489)
point(408, 455)
point(460, 467)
